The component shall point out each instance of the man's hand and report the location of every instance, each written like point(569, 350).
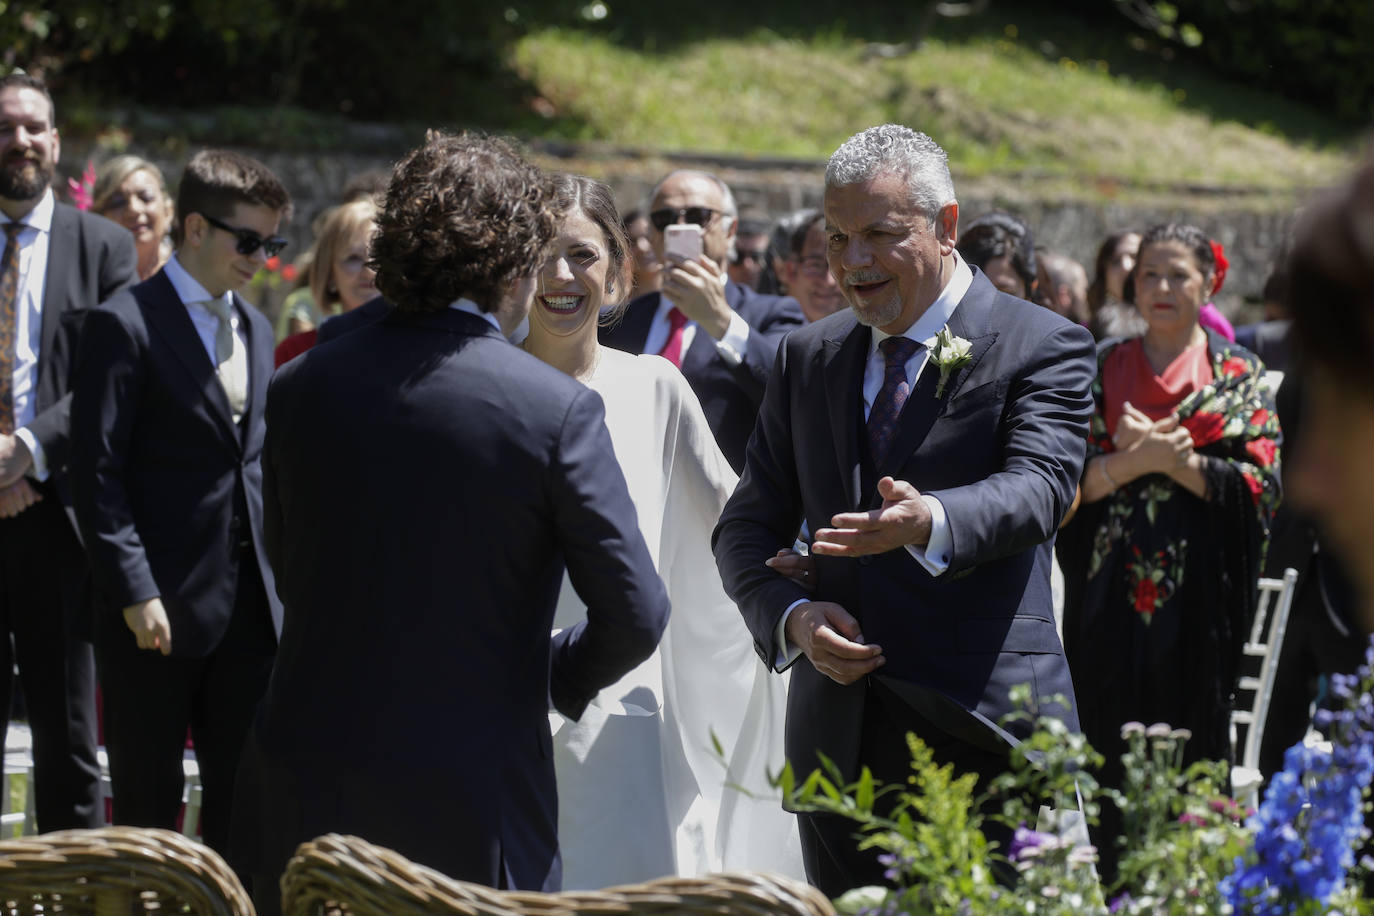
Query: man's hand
point(17, 497)
point(796, 566)
point(697, 289)
point(15, 459)
point(830, 637)
point(903, 519)
point(148, 620)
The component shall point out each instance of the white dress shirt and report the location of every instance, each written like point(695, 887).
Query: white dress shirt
point(731, 347)
point(206, 322)
point(28, 319)
point(934, 555)
point(472, 308)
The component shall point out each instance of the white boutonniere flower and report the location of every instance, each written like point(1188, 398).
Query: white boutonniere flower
point(949, 353)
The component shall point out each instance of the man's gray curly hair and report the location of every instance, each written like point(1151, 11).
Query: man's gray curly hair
point(894, 148)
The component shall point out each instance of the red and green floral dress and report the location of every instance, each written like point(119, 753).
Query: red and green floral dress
point(1160, 585)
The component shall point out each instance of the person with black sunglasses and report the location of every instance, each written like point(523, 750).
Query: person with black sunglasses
point(721, 334)
point(167, 434)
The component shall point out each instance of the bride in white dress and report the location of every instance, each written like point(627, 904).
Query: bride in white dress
point(643, 790)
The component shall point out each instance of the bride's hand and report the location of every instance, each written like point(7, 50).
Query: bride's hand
point(793, 565)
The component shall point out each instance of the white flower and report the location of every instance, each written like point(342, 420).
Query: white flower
point(949, 353)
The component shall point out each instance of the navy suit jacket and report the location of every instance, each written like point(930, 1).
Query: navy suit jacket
point(160, 472)
point(420, 565)
point(729, 395)
point(1002, 450)
point(373, 310)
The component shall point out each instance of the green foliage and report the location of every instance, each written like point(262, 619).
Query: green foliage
point(1181, 830)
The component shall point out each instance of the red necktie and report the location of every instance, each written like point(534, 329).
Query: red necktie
point(672, 350)
point(9, 297)
point(887, 406)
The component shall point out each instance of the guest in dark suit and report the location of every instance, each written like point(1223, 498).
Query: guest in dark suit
point(931, 492)
point(723, 336)
point(482, 469)
point(57, 263)
point(167, 431)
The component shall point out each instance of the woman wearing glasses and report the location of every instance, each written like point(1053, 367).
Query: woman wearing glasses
point(641, 791)
point(806, 272)
point(340, 279)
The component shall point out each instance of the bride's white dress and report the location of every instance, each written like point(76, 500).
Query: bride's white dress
point(642, 791)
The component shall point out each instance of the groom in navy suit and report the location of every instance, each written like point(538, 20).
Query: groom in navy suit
point(933, 471)
point(426, 483)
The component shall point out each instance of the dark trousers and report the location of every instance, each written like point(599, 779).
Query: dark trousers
point(829, 843)
point(151, 700)
point(43, 590)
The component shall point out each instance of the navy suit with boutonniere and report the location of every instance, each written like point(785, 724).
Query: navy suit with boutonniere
point(1001, 448)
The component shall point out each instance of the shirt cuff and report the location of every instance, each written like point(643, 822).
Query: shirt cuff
point(39, 471)
point(735, 343)
point(787, 653)
point(934, 556)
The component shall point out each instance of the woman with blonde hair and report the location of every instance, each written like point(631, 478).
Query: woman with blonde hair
point(131, 191)
point(340, 278)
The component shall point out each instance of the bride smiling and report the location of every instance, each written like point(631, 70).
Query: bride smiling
point(642, 792)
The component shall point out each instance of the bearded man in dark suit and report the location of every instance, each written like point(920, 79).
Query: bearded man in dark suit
point(482, 474)
point(58, 262)
point(931, 437)
point(723, 336)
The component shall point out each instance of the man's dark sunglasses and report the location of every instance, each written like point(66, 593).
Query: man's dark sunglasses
point(701, 216)
point(248, 240)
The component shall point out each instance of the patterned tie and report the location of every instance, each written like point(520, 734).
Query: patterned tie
point(672, 350)
point(887, 406)
point(231, 357)
point(9, 298)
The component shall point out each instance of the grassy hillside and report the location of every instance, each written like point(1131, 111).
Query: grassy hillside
point(1001, 104)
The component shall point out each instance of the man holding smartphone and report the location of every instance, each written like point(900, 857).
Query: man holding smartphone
point(723, 336)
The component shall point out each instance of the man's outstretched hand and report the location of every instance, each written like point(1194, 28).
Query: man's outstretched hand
point(830, 637)
point(903, 519)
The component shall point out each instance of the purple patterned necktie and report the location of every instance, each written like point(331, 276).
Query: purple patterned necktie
point(9, 298)
point(887, 406)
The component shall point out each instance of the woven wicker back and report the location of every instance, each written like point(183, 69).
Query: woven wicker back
point(116, 870)
point(336, 875)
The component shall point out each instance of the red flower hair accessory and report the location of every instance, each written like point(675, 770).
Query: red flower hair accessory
point(1219, 254)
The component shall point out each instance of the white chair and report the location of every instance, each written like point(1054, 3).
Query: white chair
point(18, 783)
point(1254, 691)
point(191, 792)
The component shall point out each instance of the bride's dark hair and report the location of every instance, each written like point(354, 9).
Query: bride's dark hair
point(574, 193)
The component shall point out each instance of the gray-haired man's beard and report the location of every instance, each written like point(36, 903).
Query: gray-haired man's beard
point(24, 179)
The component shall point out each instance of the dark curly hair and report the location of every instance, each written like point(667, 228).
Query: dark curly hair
point(1330, 290)
point(999, 233)
point(464, 215)
point(1198, 243)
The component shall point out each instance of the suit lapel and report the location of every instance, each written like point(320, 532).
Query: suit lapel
point(843, 356)
point(62, 254)
point(923, 408)
point(633, 329)
point(166, 312)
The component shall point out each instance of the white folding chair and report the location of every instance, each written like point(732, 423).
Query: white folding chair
point(18, 769)
point(1254, 691)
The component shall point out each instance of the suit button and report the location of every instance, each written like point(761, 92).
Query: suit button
point(865, 561)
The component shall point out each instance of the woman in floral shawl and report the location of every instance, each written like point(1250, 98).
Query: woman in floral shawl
point(1181, 481)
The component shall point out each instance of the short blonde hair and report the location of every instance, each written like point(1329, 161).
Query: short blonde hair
point(113, 174)
point(340, 225)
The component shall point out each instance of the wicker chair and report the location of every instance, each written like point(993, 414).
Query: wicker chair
point(339, 875)
point(116, 870)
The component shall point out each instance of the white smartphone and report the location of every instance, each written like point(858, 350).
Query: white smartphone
point(682, 242)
